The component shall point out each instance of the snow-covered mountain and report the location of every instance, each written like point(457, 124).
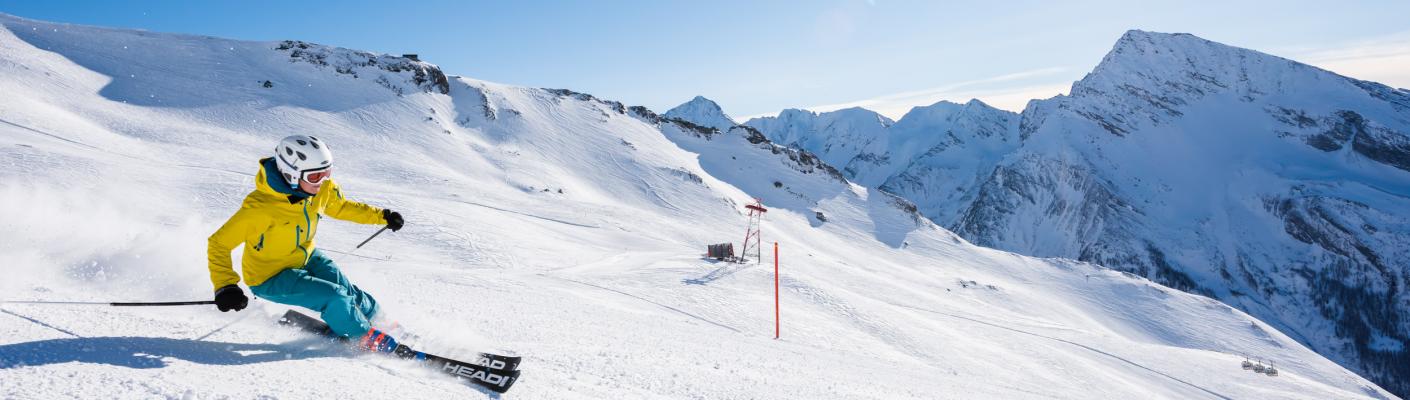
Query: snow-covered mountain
point(1277, 187)
point(543, 222)
point(703, 112)
point(913, 157)
point(837, 137)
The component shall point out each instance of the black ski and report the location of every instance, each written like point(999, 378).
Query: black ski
point(314, 325)
point(496, 380)
point(490, 371)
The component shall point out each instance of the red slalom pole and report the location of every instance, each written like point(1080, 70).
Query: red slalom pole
point(776, 321)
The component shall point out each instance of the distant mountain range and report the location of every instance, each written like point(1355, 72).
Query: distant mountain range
point(1275, 186)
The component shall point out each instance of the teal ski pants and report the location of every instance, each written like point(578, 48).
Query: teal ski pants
point(321, 287)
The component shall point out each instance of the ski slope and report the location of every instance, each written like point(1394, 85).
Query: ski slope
point(544, 223)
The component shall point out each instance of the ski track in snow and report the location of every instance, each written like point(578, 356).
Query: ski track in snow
point(676, 310)
point(1093, 349)
point(40, 323)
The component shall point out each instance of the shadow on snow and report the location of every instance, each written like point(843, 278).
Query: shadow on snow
point(146, 352)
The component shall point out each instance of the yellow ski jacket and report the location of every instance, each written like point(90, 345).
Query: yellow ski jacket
point(277, 224)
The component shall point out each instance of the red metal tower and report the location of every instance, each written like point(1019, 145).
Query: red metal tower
point(752, 240)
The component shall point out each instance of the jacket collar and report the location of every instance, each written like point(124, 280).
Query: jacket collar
point(268, 180)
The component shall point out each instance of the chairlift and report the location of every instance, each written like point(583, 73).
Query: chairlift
point(1247, 364)
point(1271, 370)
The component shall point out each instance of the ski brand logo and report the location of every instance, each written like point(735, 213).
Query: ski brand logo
point(475, 373)
point(491, 364)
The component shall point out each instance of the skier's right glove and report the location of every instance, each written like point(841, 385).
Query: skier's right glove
point(231, 297)
point(394, 220)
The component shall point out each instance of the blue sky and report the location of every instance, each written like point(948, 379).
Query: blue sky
point(758, 57)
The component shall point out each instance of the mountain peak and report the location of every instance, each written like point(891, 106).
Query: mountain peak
point(978, 103)
point(1138, 36)
point(862, 114)
point(1153, 77)
point(795, 113)
point(704, 112)
point(945, 110)
point(1155, 57)
point(1145, 48)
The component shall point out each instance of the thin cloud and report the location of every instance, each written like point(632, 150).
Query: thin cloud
point(1384, 59)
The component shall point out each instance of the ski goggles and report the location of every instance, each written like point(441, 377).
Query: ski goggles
point(317, 177)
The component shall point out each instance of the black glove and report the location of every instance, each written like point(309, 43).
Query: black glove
point(394, 220)
point(231, 297)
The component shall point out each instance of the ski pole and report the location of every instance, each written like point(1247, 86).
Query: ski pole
point(116, 304)
point(369, 238)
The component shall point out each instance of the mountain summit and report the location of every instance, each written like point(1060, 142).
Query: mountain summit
point(703, 112)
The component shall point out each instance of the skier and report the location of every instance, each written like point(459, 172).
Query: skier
point(277, 222)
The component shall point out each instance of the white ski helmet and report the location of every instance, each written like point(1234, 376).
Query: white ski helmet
point(300, 154)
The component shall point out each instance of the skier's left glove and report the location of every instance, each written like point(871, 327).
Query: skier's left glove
point(230, 297)
point(394, 220)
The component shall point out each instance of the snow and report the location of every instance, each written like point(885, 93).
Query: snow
point(600, 286)
point(837, 137)
point(703, 112)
